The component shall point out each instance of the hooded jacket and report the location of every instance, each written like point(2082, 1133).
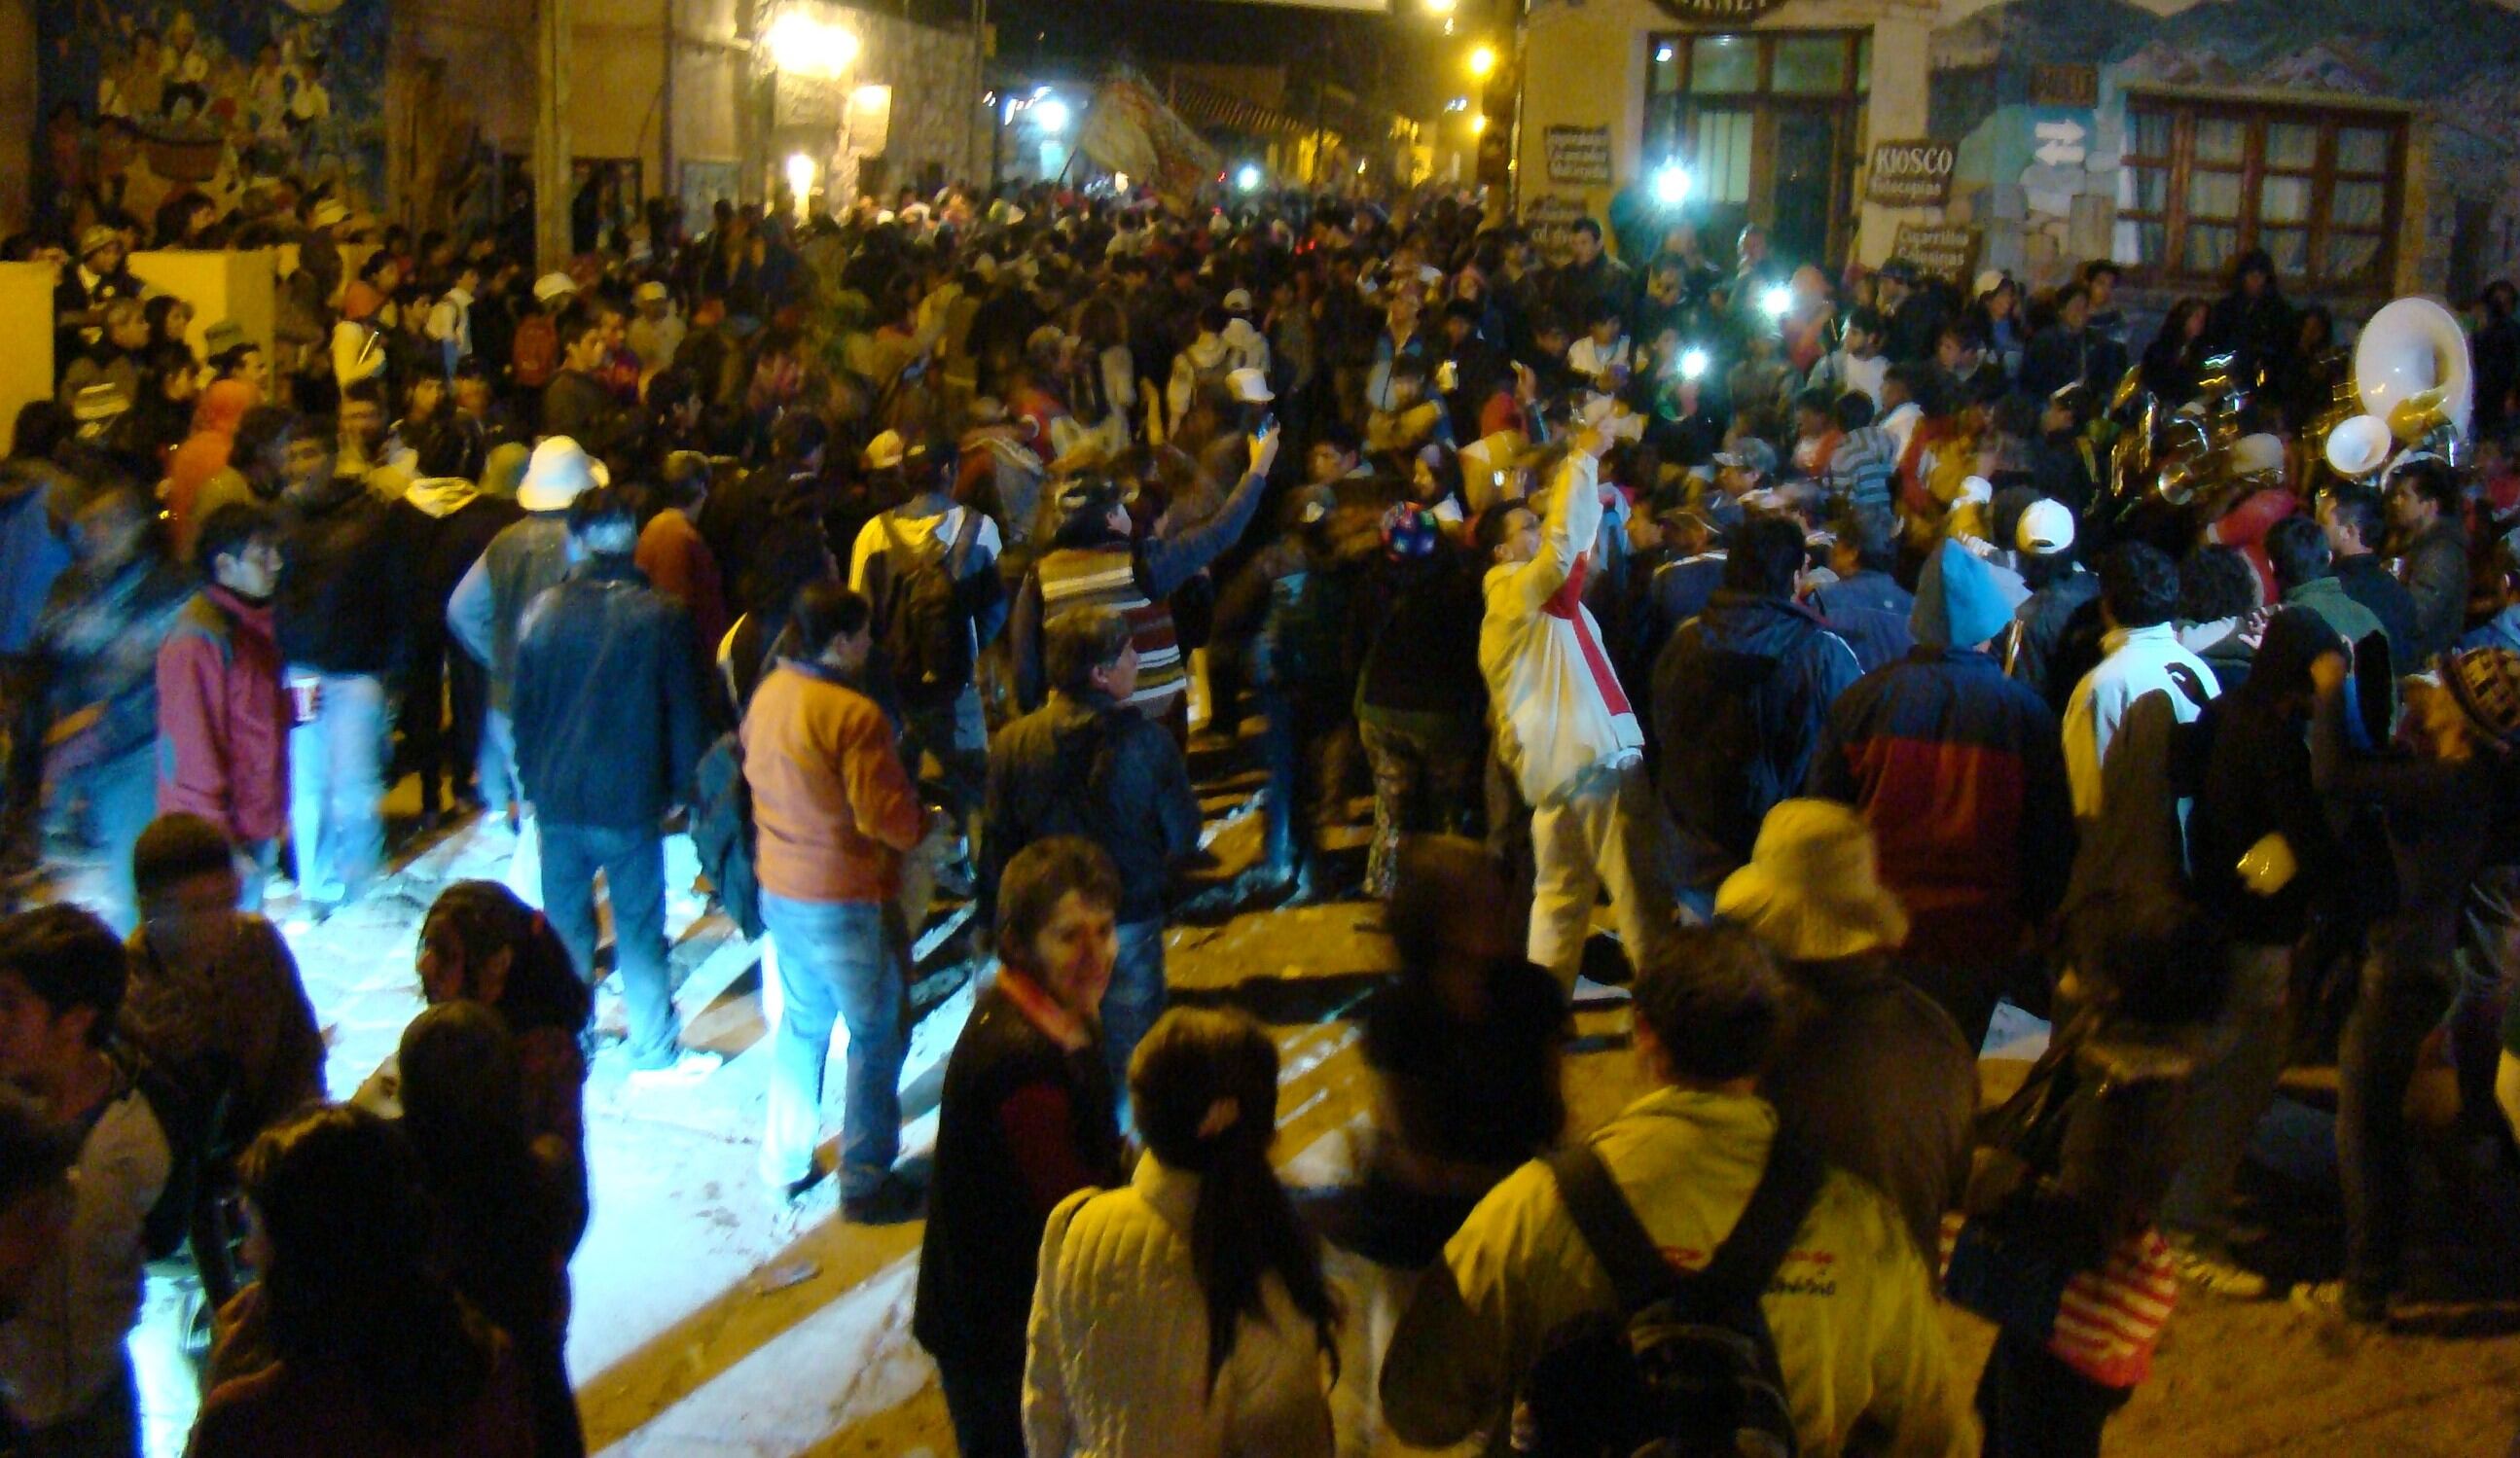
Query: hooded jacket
point(204, 454)
point(344, 586)
point(99, 637)
point(33, 549)
point(1852, 1309)
point(1084, 767)
point(1739, 696)
point(224, 718)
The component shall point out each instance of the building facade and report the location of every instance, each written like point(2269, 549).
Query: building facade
point(2371, 150)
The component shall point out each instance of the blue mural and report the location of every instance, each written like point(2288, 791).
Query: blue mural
point(2456, 63)
point(145, 101)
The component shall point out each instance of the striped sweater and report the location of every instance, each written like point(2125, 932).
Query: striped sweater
point(1073, 577)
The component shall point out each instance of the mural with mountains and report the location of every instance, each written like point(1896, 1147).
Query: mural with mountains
point(2457, 62)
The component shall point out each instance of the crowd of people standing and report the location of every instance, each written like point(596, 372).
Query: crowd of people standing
point(1801, 619)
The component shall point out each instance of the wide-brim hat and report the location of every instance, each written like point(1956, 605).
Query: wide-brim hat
point(223, 336)
point(1813, 889)
point(558, 473)
point(95, 237)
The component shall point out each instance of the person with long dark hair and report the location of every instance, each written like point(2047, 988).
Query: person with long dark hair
point(506, 1208)
point(374, 1354)
point(480, 943)
point(1186, 1315)
point(1027, 1119)
point(2175, 357)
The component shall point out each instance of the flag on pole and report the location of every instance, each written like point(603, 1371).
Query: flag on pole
point(1129, 129)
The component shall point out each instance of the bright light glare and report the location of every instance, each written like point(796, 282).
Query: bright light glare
point(800, 177)
point(1119, 182)
point(1778, 301)
point(1478, 125)
point(1249, 179)
point(1483, 59)
point(1692, 364)
point(802, 44)
point(1671, 186)
point(1440, 7)
point(1051, 116)
point(1663, 55)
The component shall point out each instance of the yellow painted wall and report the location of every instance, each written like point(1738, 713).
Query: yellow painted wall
point(218, 285)
point(27, 362)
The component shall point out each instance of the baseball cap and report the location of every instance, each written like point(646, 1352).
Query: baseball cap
point(1750, 453)
point(885, 451)
point(554, 286)
point(329, 214)
point(1048, 336)
point(2047, 528)
point(1238, 301)
point(1251, 388)
point(97, 236)
point(222, 336)
point(650, 293)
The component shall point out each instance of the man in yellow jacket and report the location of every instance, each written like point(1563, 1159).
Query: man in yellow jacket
point(1852, 1308)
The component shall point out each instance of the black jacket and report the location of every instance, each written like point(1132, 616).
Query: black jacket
point(984, 1214)
point(2366, 580)
point(1090, 767)
point(609, 728)
point(1741, 695)
point(344, 595)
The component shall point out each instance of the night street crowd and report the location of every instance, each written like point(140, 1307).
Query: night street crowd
point(1803, 617)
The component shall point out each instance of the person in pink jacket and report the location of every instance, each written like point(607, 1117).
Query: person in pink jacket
point(223, 713)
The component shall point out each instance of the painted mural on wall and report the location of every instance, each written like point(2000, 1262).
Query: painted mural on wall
point(2043, 179)
point(145, 101)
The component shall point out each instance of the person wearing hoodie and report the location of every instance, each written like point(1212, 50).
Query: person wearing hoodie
point(488, 608)
point(1960, 773)
point(341, 611)
point(1205, 360)
point(1251, 347)
point(204, 455)
point(446, 524)
point(1082, 765)
point(223, 716)
point(367, 319)
point(1740, 695)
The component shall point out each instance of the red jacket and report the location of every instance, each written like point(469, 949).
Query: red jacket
point(224, 718)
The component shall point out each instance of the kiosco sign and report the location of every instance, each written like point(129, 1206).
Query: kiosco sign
point(1910, 174)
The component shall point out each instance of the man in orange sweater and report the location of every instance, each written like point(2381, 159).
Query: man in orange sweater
point(835, 813)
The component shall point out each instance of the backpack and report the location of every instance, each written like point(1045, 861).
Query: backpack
point(922, 617)
point(1687, 1367)
point(535, 356)
point(722, 834)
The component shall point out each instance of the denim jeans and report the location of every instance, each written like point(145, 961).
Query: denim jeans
point(121, 795)
point(2231, 1089)
point(254, 861)
point(633, 861)
point(1133, 1001)
point(838, 962)
point(495, 769)
point(2396, 1008)
point(336, 788)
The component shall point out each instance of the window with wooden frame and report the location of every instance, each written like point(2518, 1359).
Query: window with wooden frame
point(2204, 181)
point(1769, 123)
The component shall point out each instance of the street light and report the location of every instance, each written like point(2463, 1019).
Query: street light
point(1050, 114)
point(1440, 7)
point(1671, 185)
point(1483, 61)
point(805, 46)
point(1249, 179)
point(1478, 125)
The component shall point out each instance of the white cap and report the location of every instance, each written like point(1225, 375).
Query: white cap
point(885, 451)
point(2047, 528)
point(651, 291)
point(554, 286)
point(1975, 491)
point(558, 472)
point(1238, 301)
point(1988, 282)
point(1251, 388)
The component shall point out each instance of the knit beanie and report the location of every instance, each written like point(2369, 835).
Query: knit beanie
point(1958, 602)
